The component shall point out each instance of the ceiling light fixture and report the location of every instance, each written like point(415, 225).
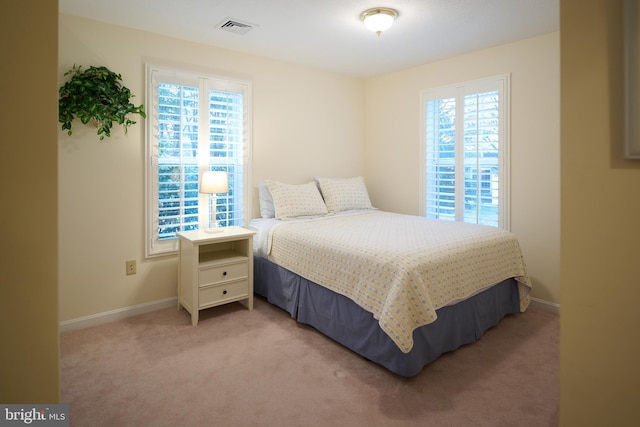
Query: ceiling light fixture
point(378, 19)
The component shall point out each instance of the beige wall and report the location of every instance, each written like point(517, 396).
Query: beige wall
point(306, 122)
point(600, 375)
point(29, 218)
point(393, 142)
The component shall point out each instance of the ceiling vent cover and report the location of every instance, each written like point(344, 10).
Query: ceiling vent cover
point(235, 26)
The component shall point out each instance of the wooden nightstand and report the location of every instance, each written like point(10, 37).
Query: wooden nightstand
point(215, 269)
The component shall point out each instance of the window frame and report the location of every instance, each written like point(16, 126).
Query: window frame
point(154, 246)
point(458, 91)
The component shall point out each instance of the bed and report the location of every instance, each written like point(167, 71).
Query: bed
point(399, 290)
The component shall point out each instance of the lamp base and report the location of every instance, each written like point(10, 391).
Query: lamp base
point(213, 230)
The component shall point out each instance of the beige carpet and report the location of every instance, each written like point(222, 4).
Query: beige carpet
point(261, 368)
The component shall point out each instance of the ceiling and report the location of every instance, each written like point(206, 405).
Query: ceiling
point(328, 34)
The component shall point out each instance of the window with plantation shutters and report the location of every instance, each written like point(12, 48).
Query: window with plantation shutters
point(465, 152)
point(195, 123)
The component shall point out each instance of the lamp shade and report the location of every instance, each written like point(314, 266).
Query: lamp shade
point(214, 182)
point(378, 19)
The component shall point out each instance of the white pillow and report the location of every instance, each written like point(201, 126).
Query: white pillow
point(291, 200)
point(267, 210)
point(341, 194)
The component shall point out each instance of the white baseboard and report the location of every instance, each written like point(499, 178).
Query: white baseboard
point(120, 313)
point(546, 305)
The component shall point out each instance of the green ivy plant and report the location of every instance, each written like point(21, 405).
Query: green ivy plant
point(96, 96)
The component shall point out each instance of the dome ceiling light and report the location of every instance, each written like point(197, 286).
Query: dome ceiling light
point(378, 19)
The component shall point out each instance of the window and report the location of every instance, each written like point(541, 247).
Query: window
point(465, 152)
point(195, 123)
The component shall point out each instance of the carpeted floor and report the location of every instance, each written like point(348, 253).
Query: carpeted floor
point(261, 368)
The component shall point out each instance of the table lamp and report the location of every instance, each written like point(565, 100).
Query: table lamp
point(214, 183)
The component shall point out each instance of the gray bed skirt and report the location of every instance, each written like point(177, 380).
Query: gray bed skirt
point(345, 322)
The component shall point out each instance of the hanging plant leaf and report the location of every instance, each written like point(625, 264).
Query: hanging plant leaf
point(96, 96)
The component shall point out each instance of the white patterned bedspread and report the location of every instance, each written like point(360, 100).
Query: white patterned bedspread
point(401, 268)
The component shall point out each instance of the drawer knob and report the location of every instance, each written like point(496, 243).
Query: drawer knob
point(224, 292)
point(224, 273)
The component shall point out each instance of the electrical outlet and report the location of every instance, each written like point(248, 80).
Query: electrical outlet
point(131, 267)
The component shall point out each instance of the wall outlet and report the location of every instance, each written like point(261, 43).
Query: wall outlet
point(131, 267)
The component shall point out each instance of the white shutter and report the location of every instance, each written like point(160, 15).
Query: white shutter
point(440, 167)
point(196, 123)
point(227, 133)
point(465, 152)
point(481, 145)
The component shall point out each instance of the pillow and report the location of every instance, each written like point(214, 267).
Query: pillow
point(267, 210)
point(341, 194)
point(291, 201)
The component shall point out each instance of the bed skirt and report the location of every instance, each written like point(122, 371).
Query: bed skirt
point(345, 322)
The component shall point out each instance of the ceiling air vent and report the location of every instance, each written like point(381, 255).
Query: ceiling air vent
point(235, 26)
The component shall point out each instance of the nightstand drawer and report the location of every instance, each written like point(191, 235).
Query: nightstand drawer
point(223, 273)
point(218, 294)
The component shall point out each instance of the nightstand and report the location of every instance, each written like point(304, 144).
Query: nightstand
point(215, 269)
